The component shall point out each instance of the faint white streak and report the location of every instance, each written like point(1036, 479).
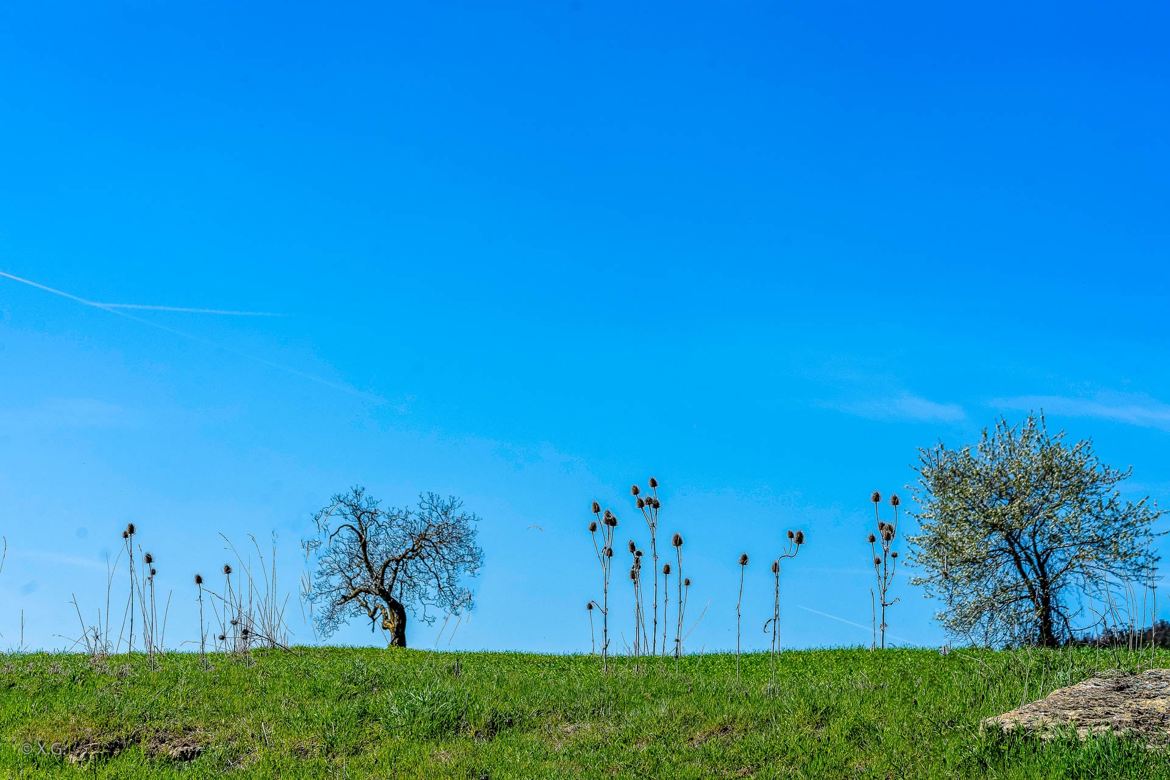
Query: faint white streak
point(186, 310)
point(1132, 409)
point(867, 629)
point(192, 337)
point(903, 407)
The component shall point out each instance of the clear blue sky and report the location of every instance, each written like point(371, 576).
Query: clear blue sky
point(530, 254)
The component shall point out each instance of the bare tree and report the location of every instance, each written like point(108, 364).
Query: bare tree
point(1020, 530)
point(380, 563)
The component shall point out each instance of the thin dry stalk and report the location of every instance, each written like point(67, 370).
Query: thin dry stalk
point(886, 564)
point(605, 523)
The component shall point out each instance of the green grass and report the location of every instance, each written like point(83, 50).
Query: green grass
point(365, 712)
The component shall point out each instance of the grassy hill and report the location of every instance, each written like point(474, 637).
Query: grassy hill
point(361, 712)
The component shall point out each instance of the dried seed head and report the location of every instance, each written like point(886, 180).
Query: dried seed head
point(222, 637)
point(198, 579)
point(876, 497)
point(638, 554)
point(634, 574)
point(596, 507)
point(894, 554)
point(153, 571)
point(653, 483)
point(634, 490)
point(887, 534)
point(799, 538)
point(894, 500)
point(235, 621)
point(125, 534)
point(872, 538)
point(775, 567)
point(148, 559)
point(641, 502)
point(227, 568)
point(743, 559)
point(589, 606)
point(592, 526)
point(608, 552)
point(676, 540)
point(686, 582)
point(877, 561)
point(130, 529)
point(666, 569)
point(791, 534)
point(633, 546)
point(654, 502)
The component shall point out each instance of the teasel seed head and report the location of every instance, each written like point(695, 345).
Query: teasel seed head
point(227, 568)
point(877, 561)
point(125, 534)
point(666, 569)
point(222, 637)
point(130, 529)
point(676, 540)
point(198, 579)
point(148, 559)
point(641, 502)
point(894, 554)
point(633, 547)
point(608, 552)
point(799, 538)
point(589, 606)
point(634, 491)
point(791, 534)
point(638, 554)
point(743, 559)
point(592, 526)
point(653, 483)
point(153, 571)
point(876, 497)
point(895, 501)
point(775, 567)
point(686, 582)
point(654, 502)
point(596, 507)
point(633, 574)
point(872, 538)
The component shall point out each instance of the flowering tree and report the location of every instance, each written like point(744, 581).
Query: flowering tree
point(1022, 533)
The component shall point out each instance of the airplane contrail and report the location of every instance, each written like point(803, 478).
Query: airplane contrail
point(186, 310)
point(849, 622)
point(113, 309)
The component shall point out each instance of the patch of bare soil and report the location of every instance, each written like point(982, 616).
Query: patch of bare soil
point(1137, 705)
point(167, 745)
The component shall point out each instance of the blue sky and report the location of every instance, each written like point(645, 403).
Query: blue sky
point(531, 254)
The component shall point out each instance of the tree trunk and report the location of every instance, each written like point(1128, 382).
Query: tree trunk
point(1047, 625)
point(394, 621)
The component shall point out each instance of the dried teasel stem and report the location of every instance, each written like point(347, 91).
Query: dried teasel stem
point(202, 631)
point(676, 541)
point(743, 562)
point(592, 636)
point(606, 523)
point(665, 602)
point(885, 564)
point(649, 506)
point(791, 550)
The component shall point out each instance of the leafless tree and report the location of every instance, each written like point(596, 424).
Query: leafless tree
point(380, 563)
